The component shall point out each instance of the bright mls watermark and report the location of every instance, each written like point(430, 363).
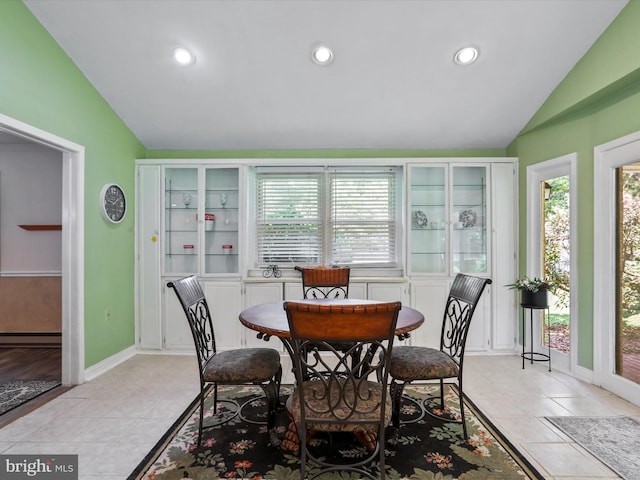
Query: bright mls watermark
point(50, 467)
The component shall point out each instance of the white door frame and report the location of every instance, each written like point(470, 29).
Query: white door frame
point(565, 165)
point(606, 159)
point(72, 243)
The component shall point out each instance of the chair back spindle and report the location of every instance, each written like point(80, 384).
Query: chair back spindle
point(462, 301)
point(196, 309)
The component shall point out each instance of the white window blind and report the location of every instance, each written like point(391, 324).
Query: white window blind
point(341, 216)
point(289, 218)
point(363, 217)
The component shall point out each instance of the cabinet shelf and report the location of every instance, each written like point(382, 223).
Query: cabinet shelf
point(221, 190)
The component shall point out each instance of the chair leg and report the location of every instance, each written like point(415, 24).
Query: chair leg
point(381, 460)
point(202, 395)
point(395, 391)
point(302, 442)
point(215, 398)
point(462, 419)
point(272, 393)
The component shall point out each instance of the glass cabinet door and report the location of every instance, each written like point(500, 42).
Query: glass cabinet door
point(221, 220)
point(428, 200)
point(181, 220)
point(469, 219)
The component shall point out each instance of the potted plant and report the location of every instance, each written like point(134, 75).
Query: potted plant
point(533, 291)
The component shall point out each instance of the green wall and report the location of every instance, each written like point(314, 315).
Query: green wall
point(41, 86)
point(598, 101)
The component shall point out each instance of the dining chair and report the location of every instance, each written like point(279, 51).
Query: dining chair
point(256, 366)
point(334, 394)
point(413, 363)
point(325, 282)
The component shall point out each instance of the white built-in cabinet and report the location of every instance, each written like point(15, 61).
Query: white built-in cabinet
point(462, 219)
point(191, 219)
point(187, 222)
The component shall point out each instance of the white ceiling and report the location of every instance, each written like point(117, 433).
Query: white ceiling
point(393, 83)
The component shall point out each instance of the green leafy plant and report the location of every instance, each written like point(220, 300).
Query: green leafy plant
point(534, 284)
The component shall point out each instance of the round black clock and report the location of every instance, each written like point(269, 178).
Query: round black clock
point(113, 203)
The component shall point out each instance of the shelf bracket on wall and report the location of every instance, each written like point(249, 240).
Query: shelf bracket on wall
point(41, 227)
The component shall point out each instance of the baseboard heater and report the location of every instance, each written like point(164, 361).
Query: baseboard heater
point(30, 339)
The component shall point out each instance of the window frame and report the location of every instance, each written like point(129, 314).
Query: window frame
point(327, 172)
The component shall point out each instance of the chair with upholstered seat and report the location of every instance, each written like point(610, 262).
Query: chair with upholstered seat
point(256, 366)
point(414, 363)
point(323, 282)
point(333, 393)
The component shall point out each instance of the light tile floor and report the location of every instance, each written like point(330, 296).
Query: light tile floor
point(113, 421)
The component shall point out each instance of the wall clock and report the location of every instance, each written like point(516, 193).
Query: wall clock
point(113, 203)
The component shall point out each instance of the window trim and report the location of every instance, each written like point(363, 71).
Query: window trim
point(374, 269)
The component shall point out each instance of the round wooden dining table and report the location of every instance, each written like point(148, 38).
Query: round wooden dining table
point(270, 319)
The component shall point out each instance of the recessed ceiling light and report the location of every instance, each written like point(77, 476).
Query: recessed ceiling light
point(466, 56)
point(183, 56)
point(322, 55)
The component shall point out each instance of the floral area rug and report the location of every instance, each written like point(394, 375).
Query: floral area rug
point(426, 449)
point(16, 392)
point(615, 441)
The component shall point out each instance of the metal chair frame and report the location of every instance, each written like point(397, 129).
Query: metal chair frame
point(334, 378)
point(196, 309)
point(462, 301)
point(321, 282)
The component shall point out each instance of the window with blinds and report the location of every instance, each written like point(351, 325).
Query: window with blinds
point(334, 217)
point(289, 218)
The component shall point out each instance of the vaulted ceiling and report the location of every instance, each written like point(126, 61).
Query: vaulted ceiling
point(392, 83)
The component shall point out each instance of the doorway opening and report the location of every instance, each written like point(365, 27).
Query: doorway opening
point(72, 266)
point(551, 240)
point(611, 277)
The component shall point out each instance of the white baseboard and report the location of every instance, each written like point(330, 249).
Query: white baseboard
point(107, 364)
point(166, 352)
point(583, 374)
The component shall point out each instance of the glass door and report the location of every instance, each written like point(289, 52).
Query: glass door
point(221, 220)
point(469, 219)
point(427, 202)
point(181, 244)
point(556, 260)
point(627, 323)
